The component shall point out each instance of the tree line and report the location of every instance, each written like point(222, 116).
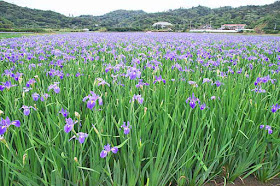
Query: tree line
point(264, 18)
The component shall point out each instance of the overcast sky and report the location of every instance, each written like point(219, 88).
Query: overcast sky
point(100, 7)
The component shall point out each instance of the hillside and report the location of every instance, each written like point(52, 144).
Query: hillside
point(120, 17)
point(13, 16)
point(265, 18)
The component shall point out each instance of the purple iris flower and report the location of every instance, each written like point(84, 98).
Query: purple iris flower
point(133, 73)
point(6, 85)
point(114, 150)
point(25, 89)
point(267, 127)
point(69, 125)
point(8, 73)
point(35, 96)
point(30, 82)
point(107, 149)
point(17, 76)
point(230, 70)
point(159, 79)
point(2, 87)
point(5, 123)
point(54, 72)
point(55, 87)
point(44, 97)
point(265, 79)
point(258, 90)
point(192, 101)
point(31, 66)
point(105, 152)
point(206, 80)
point(64, 112)
point(138, 98)
point(251, 66)
point(193, 83)
point(91, 100)
point(239, 71)
point(275, 108)
point(141, 84)
point(126, 128)
point(26, 109)
point(217, 83)
point(100, 101)
point(203, 106)
point(108, 68)
point(102, 82)
point(178, 66)
point(213, 97)
point(81, 137)
point(78, 74)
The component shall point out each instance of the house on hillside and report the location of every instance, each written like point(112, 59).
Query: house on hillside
point(162, 25)
point(233, 26)
point(205, 27)
point(85, 30)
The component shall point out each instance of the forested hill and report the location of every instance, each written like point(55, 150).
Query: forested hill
point(265, 18)
point(13, 16)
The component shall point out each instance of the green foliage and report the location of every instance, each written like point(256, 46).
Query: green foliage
point(20, 17)
point(9, 35)
point(4, 23)
point(123, 29)
point(37, 30)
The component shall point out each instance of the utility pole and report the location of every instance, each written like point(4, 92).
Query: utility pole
point(210, 24)
point(190, 25)
point(275, 26)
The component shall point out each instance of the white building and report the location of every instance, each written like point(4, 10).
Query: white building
point(85, 30)
point(233, 26)
point(162, 25)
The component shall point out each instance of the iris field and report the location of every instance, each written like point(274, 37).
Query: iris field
point(139, 109)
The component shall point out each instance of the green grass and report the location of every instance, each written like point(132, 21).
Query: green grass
point(12, 35)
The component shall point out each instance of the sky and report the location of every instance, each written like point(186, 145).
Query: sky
point(100, 7)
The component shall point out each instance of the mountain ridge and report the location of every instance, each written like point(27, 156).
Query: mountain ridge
point(264, 17)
